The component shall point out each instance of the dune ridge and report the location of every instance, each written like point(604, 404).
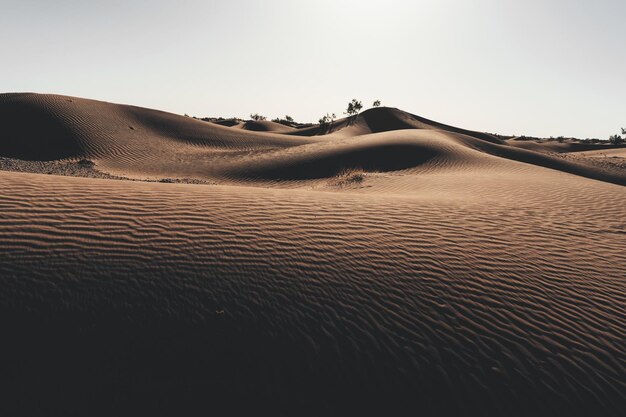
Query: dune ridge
point(129, 141)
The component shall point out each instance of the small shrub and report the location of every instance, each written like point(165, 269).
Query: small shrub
point(347, 177)
point(257, 117)
point(376, 103)
point(286, 121)
point(86, 163)
point(327, 119)
point(354, 107)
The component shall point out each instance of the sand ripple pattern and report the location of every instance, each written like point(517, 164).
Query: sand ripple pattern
point(313, 303)
point(45, 127)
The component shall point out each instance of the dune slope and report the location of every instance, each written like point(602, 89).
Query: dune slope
point(310, 302)
point(45, 127)
point(134, 142)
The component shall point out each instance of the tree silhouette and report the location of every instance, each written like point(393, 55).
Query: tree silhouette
point(257, 117)
point(376, 103)
point(354, 107)
point(617, 139)
point(327, 119)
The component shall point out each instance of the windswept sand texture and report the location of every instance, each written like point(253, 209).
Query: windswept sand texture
point(387, 265)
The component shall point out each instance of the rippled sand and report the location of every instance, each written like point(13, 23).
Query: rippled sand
point(458, 276)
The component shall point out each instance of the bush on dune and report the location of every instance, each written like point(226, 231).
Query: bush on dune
point(347, 177)
point(354, 107)
point(257, 117)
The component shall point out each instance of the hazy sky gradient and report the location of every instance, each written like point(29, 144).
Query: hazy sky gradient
point(544, 68)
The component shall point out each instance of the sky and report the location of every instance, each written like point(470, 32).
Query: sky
point(540, 68)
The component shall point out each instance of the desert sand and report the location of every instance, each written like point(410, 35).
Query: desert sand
point(386, 264)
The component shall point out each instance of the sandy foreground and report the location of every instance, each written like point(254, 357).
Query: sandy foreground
point(387, 265)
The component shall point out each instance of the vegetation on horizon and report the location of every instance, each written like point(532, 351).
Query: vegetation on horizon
point(327, 119)
point(287, 121)
point(617, 139)
point(257, 117)
point(354, 107)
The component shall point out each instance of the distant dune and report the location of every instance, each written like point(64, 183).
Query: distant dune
point(382, 265)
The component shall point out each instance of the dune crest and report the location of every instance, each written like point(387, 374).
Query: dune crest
point(129, 141)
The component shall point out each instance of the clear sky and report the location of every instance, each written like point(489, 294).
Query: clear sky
point(535, 67)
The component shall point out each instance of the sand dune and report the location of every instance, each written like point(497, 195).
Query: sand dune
point(141, 143)
point(605, 153)
point(446, 273)
point(386, 119)
point(559, 147)
point(45, 127)
point(266, 126)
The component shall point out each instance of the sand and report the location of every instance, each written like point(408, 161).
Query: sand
point(387, 265)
